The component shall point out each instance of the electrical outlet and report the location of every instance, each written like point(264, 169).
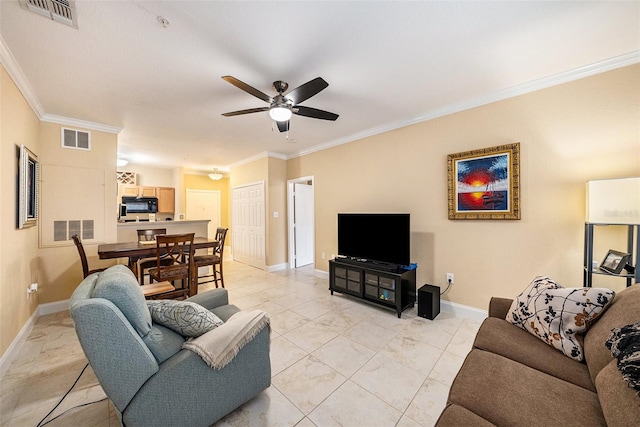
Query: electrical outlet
point(450, 278)
point(323, 255)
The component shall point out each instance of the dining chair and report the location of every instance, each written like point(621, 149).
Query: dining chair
point(178, 248)
point(147, 235)
point(83, 257)
point(214, 260)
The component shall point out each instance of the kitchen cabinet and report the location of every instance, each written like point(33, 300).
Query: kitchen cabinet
point(147, 192)
point(166, 199)
point(136, 191)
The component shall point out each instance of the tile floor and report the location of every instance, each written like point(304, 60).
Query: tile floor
point(335, 361)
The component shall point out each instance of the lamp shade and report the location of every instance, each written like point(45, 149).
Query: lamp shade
point(613, 201)
point(215, 175)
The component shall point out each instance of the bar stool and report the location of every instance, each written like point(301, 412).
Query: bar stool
point(214, 260)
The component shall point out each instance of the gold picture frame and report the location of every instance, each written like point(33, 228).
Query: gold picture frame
point(485, 183)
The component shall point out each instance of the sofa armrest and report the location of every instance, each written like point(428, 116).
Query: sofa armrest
point(499, 307)
point(211, 299)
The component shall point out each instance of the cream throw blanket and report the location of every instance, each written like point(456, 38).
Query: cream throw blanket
point(219, 346)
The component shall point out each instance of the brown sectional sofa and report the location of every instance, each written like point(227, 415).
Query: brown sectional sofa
point(512, 378)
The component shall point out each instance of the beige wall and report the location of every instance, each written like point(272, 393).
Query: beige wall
point(277, 202)
point(60, 268)
point(19, 249)
point(22, 261)
point(569, 134)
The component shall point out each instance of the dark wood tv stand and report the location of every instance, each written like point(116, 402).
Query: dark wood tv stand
point(395, 290)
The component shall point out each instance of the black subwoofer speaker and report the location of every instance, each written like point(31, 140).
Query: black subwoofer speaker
point(429, 301)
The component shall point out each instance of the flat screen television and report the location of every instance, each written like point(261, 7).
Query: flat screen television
point(381, 237)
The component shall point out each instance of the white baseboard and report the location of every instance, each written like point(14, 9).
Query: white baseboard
point(53, 307)
point(321, 274)
point(19, 340)
point(463, 310)
point(277, 267)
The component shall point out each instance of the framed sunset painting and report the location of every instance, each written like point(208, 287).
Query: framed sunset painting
point(485, 183)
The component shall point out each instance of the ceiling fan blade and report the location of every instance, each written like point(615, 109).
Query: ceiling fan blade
point(307, 90)
point(283, 126)
point(313, 113)
point(247, 111)
point(249, 89)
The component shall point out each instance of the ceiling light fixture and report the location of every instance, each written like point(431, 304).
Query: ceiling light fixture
point(280, 114)
point(122, 162)
point(215, 175)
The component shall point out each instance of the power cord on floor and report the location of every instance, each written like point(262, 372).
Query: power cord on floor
point(41, 423)
point(448, 286)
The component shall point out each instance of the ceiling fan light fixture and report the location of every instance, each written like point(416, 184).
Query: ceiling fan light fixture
point(122, 162)
point(280, 114)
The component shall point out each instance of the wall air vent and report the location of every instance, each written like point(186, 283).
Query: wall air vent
point(77, 139)
point(63, 11)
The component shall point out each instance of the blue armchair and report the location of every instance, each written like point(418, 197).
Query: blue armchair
point(141, 365)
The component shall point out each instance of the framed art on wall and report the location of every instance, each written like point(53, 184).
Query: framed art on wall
point(485, 183)
point(28, 175)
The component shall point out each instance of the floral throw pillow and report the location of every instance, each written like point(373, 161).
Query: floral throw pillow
point(186, 318)
point(624, 344)
point(556, 314)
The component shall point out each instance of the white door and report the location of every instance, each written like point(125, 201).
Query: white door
point(303, 224)
point(248, 224)
point(204, 204)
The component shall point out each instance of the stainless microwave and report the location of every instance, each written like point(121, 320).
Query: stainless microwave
point(140, 204)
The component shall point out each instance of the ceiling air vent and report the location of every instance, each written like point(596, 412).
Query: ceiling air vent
point(58, 10)
point(77, 139)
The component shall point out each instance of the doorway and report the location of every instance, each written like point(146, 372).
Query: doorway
point(248, 224)
point(204, 204)
point(301, 224)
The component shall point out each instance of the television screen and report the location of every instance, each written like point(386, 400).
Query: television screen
point(375, 237)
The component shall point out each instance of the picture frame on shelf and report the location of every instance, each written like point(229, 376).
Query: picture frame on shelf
point(614, 262)
point(28, 177)
point(485, 183)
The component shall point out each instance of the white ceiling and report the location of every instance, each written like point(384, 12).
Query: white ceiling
point(387, 63)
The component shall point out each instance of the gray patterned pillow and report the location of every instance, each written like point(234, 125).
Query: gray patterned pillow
point(556, 314)
point(186, 318)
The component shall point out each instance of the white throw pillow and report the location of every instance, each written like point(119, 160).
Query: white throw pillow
point(556, 314)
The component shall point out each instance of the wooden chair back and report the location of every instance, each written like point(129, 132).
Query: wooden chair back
point(83, 257)
point(221, 234)
point(150, 234)
point(178, 248)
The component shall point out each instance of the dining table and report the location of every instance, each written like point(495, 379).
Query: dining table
point(136, 251)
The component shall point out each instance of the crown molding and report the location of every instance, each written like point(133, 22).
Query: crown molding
point(258, 157)
point(11, 65)
point(15, 72)
point(67, 121)
point(535, 85)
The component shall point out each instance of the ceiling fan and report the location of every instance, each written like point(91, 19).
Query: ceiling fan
point(282, 106)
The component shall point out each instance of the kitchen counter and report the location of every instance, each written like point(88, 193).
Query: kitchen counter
point(127, 231)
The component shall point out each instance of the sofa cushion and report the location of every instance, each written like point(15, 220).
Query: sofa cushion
point(501, 337)
point(624, 344)
point(456, 416)
point(118, 285)
point(186, 318)
point(623, 311)
point(620, 404)
point(556, 314)
point(508, 393)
